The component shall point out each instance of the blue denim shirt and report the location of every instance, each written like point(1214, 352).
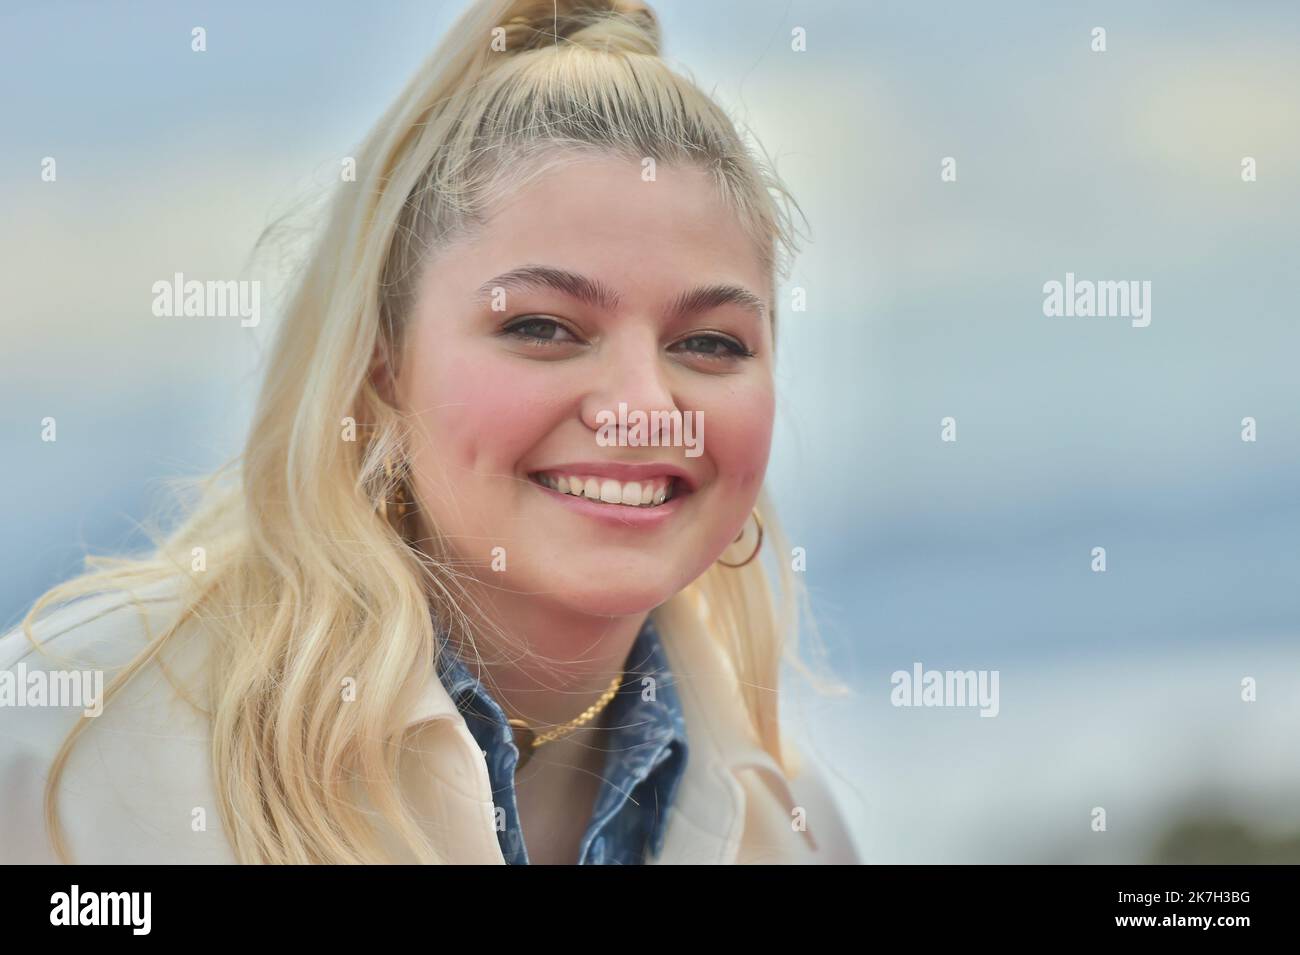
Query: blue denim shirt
point(645, 744)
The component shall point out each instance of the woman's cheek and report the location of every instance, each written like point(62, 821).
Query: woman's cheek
point(488, 412)
point(738, 437)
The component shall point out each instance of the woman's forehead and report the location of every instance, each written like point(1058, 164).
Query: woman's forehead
point(599, 219)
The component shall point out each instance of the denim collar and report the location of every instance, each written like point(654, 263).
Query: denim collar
point(645, 740)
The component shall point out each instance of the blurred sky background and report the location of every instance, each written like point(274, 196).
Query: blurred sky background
point(1120, 689)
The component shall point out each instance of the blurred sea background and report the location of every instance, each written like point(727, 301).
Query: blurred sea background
point(1119, 690)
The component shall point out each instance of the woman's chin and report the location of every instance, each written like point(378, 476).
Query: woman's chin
point(615, 599)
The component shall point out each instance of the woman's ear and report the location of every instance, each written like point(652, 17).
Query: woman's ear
point(381, 377)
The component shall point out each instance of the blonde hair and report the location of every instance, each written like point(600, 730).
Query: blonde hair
point(306, 583)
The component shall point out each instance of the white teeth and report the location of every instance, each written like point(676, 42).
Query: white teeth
point(650, 493)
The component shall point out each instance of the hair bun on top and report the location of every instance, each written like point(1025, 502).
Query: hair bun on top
point(614, 26)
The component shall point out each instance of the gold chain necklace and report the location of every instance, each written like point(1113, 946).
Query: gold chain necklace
point(527, 740)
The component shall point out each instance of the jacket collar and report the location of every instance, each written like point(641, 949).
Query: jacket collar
point(710, 800)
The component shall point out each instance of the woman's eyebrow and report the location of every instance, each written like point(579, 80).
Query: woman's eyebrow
point(715, 296)
point(596, 294)
point(586, 290)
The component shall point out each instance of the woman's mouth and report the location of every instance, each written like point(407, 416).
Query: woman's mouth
point(649, 493)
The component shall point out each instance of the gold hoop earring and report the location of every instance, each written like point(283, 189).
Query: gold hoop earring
point(757, 547)
point(399, 495)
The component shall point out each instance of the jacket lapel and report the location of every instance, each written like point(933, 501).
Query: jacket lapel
point(445, 779)
point(710, 807)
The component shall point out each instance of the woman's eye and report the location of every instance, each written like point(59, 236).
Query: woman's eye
point(541, 331)
point(714, 346)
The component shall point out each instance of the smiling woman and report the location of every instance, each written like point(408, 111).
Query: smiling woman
point(482, 632)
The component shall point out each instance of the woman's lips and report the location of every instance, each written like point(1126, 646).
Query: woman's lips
point(619, 515)
point(650, 491)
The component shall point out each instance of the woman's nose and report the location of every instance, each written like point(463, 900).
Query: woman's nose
point(631, 377)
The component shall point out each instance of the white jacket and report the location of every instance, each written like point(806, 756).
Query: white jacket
point(138, 785)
